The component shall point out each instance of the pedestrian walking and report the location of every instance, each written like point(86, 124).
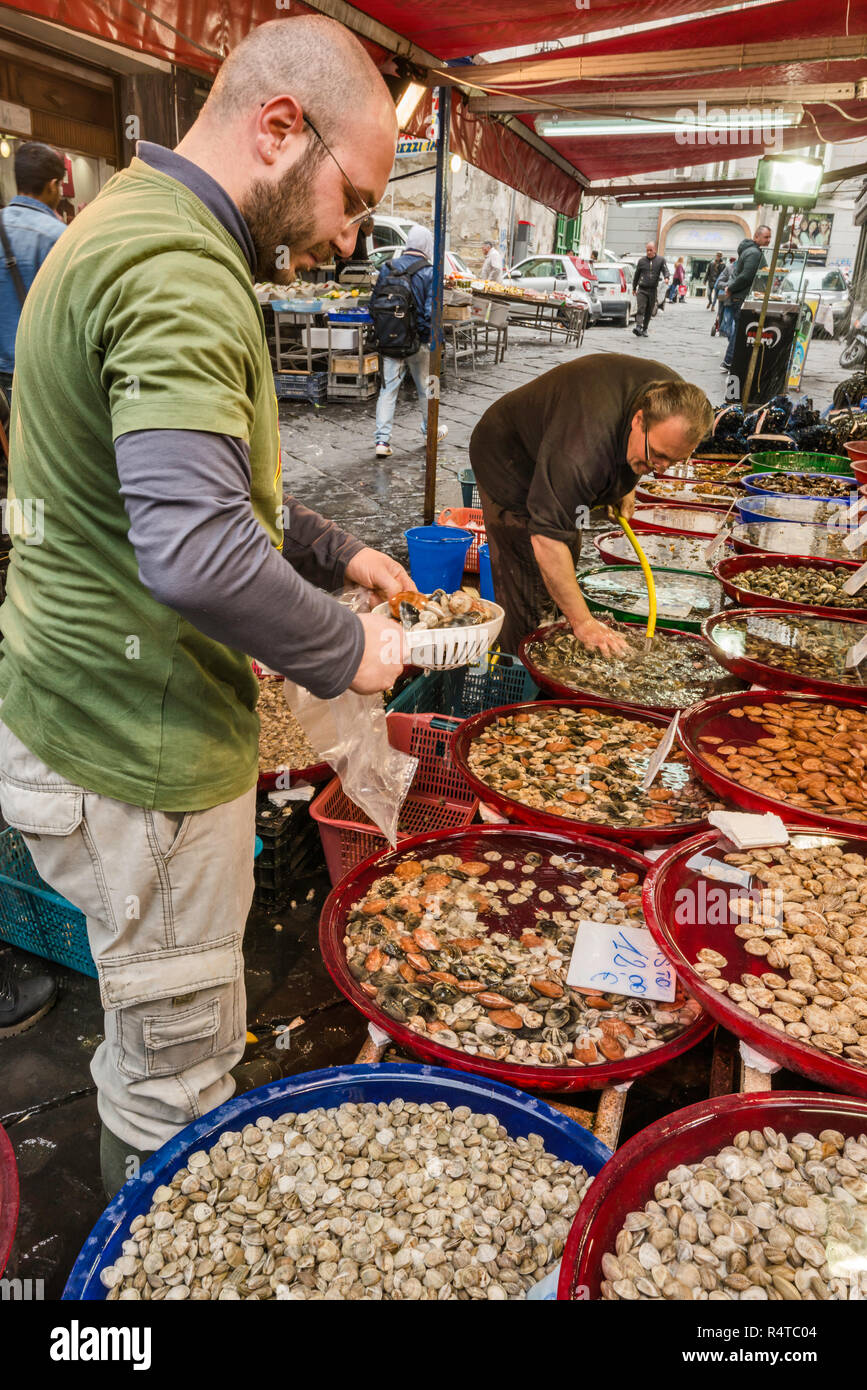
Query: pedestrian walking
point(577, 437)
point(649, 270)
point(29, 227)
point(148, 424)
point(744, 271)
point(712, 274)
point(492, 265)
point(401, 308)
point(677, 290)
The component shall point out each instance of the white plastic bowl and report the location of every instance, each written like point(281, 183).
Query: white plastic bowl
point(446, 648)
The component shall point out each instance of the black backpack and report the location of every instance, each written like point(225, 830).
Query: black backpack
point(395, 313)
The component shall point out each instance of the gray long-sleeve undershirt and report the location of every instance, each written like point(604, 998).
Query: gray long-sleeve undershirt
point(201, 551)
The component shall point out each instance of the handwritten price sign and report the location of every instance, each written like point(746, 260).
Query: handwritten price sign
point(618, 959)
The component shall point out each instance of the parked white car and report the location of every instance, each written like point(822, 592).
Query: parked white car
point(614, 292)
point(560, 273)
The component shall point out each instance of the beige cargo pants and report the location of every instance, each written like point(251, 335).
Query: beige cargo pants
point(166, 897)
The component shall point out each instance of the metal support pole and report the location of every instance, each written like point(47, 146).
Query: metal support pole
point(436, 344)
point(754, 355)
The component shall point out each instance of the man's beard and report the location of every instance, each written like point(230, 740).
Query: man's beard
point(281, 219)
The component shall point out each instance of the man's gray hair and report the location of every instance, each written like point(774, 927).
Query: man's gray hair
point(309, 57)
point(660, 400)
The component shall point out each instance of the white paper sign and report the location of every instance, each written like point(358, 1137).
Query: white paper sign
point(749, 831)
point(856, 538)
point(661, 752)
point(857, 579)
point(856, 654)
point(618, 958)
point(715, 868)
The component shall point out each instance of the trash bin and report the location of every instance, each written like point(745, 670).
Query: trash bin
point(772, 366)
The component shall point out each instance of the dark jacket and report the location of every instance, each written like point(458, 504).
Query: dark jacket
point(648, 272)
point(750, 260)
point(422, 287)
point(713, 272)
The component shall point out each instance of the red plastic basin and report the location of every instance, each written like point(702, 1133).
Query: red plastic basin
point(714, 718)
point(689, 1135)
point(779, 629)
point(676, 520)
point(9, 1195)
point(515, 810)
point(512, 841)
point(687, 909)
point(570, 692)
point(734, 574)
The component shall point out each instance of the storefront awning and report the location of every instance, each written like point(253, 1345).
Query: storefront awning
point(781, 53)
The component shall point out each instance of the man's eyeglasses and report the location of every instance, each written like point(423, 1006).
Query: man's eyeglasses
point(659, 460)
point(363, 219)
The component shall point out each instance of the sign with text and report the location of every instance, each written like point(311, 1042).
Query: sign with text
point(619, 958)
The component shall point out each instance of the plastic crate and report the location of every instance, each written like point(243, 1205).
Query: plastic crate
point(349, 316)
point(467, 480)
point(438, 798)
point(301, 386)
point(352, 388)
point(34, 917)
point(470, 519)
point(497, 680)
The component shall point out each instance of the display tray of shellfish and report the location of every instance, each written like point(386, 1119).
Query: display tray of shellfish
point(458, 946)
point(547, 763)
point(784, 538)
point(772, 942)
point(718, 468)
point(686, 493)
point(792, 581)
point(676, 551)
point(311, 1187)
point(664, 519)
point(684, 598)
point(787, 650)
point(285, 752)
point(792, 754)
point(815, 487)
point(677, 671)
point(753, 1198)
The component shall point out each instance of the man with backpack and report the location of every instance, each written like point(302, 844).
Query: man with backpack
point(401, 307)
point(29, 228)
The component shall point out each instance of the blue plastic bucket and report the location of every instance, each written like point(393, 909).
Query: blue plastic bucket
point(518, 1112)
point(486, 578)
point(436, 557)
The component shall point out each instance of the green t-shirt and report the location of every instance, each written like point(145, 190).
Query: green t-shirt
point(142, 317)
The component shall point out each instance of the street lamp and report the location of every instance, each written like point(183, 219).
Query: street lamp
point(785, 181)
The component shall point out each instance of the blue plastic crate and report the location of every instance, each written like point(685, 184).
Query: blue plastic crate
point(301, 386)
point(349, 316)
point(467, 480)
point(34, 917)
point(498, 679)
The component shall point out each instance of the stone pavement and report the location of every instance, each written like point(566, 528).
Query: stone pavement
point(328, 458)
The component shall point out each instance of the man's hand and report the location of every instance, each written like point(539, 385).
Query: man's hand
point(379, 572)
point(383, 657)
point(626, 507)
point(600, 638)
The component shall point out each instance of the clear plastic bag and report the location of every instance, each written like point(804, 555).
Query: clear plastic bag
point(350, 733)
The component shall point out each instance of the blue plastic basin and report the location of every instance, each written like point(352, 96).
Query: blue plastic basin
point(517, 1111)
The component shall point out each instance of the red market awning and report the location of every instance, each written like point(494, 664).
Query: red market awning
point(784, 50)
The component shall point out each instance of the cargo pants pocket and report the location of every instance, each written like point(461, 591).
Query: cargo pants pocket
point(173, 1009)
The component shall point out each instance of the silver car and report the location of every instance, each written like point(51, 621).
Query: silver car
point(828, 286)
point(557, 273)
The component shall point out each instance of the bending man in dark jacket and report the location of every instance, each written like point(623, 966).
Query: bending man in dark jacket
point(578, 437)
point(749, 262)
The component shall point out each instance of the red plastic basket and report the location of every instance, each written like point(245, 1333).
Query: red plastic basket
point(439, 797)
point(470, 519)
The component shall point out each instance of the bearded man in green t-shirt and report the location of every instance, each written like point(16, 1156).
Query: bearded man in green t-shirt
point(144, 438)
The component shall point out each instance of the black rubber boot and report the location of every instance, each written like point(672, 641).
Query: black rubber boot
point(23, 1001)
point(114, 1161)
